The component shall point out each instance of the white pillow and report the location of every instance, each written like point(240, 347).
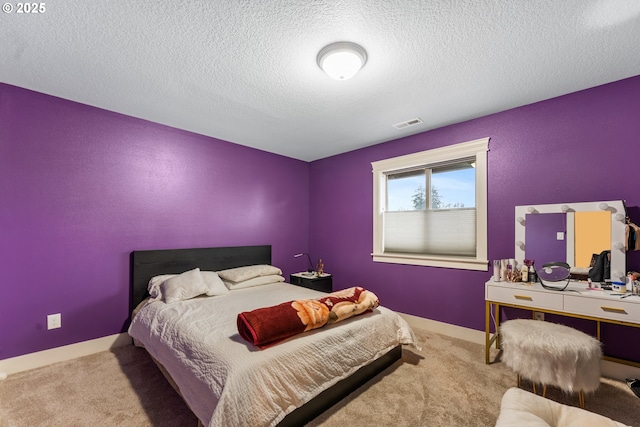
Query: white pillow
point(154, 284)
point(184, 286)
point(215, 285)
point(241, 274)
point(255, 281)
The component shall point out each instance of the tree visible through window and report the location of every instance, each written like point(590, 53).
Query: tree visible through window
point(419, 201)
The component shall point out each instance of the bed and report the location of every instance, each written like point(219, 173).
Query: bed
point(227, 381)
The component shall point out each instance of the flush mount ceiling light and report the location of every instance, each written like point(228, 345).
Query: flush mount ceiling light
point(342, 60)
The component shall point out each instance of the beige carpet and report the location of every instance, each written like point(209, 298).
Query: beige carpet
point(444, 384)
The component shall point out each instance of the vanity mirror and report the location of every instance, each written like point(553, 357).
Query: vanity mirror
point(572, 232)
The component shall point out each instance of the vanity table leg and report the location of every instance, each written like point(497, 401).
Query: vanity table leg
point(487, 331)
point(497, 317)
point(487, 328)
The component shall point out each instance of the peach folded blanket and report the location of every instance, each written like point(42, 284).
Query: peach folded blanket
point(267, 326)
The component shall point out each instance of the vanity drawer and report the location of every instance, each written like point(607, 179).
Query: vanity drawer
point(613, 309)
point(524, 297)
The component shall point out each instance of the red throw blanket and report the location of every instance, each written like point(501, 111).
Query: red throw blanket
point(269, 325)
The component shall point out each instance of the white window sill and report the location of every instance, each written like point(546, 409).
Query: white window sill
point(433, 261)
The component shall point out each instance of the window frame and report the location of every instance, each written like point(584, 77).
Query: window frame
point(477, 148)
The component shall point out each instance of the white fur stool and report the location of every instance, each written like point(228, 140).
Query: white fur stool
point(551, 354)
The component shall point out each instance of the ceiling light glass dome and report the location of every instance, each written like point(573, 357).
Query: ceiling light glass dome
point(342, 60)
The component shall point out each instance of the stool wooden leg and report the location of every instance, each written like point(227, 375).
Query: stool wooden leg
point(534, 389)
point(581, 398)
point(544, 391)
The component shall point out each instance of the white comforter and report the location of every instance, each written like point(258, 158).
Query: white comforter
point(229, 382)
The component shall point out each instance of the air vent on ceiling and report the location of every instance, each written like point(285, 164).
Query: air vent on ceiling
point(408, 123)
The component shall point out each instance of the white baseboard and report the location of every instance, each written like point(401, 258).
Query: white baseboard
point(618, 371)
point(62, 354)
point(448, 329)
point(608, 369)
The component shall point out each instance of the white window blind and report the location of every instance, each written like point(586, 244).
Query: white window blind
point(434, 232)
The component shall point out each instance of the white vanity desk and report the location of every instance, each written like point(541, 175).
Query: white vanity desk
point(598, 305)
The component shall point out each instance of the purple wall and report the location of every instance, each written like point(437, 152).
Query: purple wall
point(82, 187)
point(574, 148)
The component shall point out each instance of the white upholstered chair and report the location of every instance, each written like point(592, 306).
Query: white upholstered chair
point(520, 408)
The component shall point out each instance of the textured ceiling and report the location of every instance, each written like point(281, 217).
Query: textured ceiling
point(245, 71)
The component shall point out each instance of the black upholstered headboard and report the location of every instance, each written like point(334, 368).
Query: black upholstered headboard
point(146, 264)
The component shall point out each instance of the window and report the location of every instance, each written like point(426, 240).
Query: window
point(430, 208)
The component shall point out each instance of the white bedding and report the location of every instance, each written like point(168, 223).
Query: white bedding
point(229, 382)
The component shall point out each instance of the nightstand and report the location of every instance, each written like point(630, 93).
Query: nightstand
point(323, 283)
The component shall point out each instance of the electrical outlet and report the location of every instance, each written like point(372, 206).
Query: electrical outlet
point(538, 315)
point(54, 321)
